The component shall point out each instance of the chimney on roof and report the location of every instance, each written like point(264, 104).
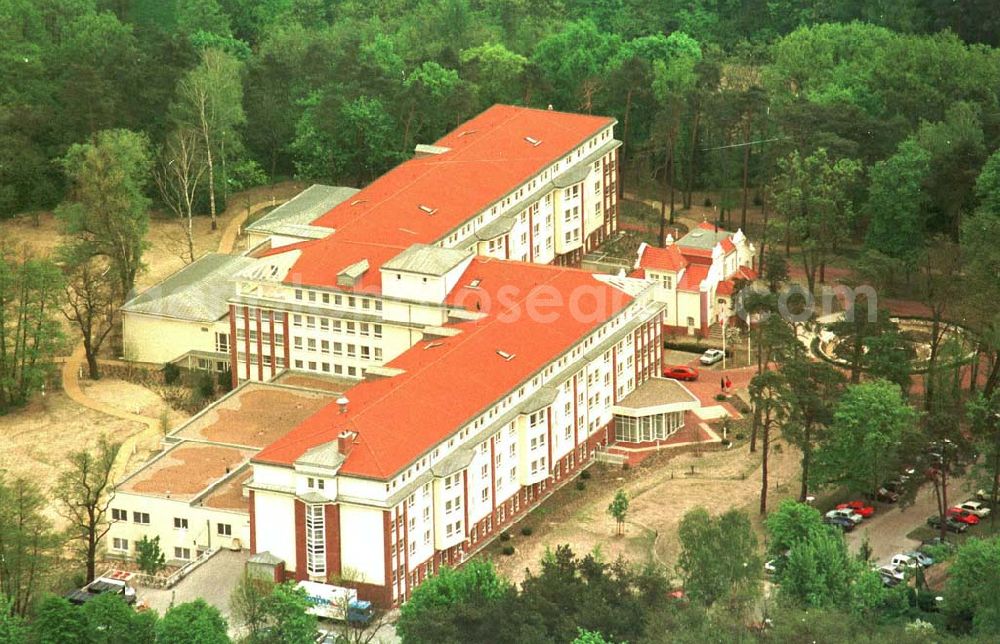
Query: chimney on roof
point(343, 401)
point(345, 441)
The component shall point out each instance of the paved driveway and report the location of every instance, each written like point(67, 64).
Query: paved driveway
point(213, 581)
point(888, 528)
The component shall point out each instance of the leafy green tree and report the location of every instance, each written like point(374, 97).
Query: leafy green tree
point(872, 425)
point(28, 544)
point(107, 214)
point(790, 524)
point(193, 621)
point(149, 557)
point(973, 588)
point(673, 80)
point(813, 195)
point(112, 621)
point(30, 335)
point(813, 388)
point(57, 621)
point(618, 508)
point(590, 637)
point(856, 329)
point(957, 150)
point(984, 422)
point(285, 612)
point(981, 262)
point(92, 302)
point(432, 93)
point(718, 560)
point(84, 491)
point(819, 571)
point(13, 628)
point(889, 356)
point(247, 603)
point(474, 584)
point(497, 72)
point(210, 101)
point(572, 60)
point(897, 203)
point(769, 394)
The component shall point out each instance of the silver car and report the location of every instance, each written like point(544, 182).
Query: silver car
point(711, 356)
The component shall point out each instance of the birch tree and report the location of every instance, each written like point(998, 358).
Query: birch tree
point(210, 101)
point(178, 177)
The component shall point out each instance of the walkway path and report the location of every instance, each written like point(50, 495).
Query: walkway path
point(150, 430)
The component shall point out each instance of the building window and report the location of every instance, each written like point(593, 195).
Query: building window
point(298, 294)
point(141, 518)
point(222, 342)
point(118, 515)
point(182, 553)
point(180, 523)
point(224, 529)
point(119, 544)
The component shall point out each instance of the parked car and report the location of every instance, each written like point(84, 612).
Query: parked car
point(680, 372)
point(711, 356)
point(922, 560)
point(963, 516)
point(859, 507)
point(903, 561)
point(951, 525)
point(892, 572)
point(884, 495)
point(845, 513)
point(843, 523)
point(896, 486)
point(977, 508)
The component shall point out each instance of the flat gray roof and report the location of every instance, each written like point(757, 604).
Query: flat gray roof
point(199, 292)
point(303, 209)
point(427, 260)
point(702, 238)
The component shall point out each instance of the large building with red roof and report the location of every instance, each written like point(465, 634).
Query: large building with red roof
point(513, 183)
point(695, 276)
point(481, 370)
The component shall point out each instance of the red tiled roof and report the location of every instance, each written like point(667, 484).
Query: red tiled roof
point(322, 259)
point(693, 277)
point(488, 157)
point(663, 259)
point(725, 287)
point(448, 381)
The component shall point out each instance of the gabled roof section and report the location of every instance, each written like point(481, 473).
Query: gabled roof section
point(662, 259)
point(196, 293)
point(398, 419)
point(427, 260)
point(693, 277)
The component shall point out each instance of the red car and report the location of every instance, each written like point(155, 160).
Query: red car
point(859, 507)
point(963, 516)
point(680, 373)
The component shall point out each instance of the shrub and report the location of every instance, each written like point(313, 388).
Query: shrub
point(626, 466)
point(224, 380)
point(526, 530)
point(507, 550)
point(505, 536)
point(708, 202)
point(725, 442)
point(739, 436)
point(580, 485)
point(744, 408)
point(171, 373)
point(204, 384)
point(720, 397)
point(585, 475)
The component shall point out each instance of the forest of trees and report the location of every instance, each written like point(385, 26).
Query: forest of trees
point(339, 91)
